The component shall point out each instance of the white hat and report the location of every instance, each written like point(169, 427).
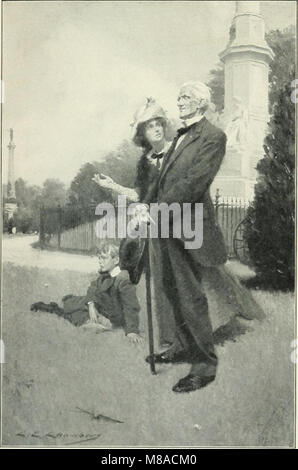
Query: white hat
point(150, 110)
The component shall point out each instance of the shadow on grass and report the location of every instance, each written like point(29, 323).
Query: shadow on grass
point(230, 331)
point(269, 284)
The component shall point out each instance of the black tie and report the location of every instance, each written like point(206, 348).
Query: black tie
point(105, 275)
point(184, 130)
point(157, 156)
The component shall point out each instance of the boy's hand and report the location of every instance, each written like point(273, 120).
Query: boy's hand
point(134, 338)
point(92, 312)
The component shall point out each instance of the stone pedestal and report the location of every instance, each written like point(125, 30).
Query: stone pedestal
point(246, 62)
point(10, 208)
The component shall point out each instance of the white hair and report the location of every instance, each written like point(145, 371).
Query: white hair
point(200, 91)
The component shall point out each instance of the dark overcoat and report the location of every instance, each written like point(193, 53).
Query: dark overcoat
point(186, 176)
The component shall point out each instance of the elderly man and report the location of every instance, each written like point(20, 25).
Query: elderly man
point(186, 175)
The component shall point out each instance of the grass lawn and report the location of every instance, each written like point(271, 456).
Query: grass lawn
point(53, 370)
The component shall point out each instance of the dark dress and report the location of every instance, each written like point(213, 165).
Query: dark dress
point(163, 317)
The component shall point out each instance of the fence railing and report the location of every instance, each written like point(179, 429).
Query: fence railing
point(230, 212)
point(80, 238)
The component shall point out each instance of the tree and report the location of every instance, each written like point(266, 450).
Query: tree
point(83, 191)
point(31, 198)
point(282, 66)
point(4, 221)
point(53, 193)
point(26, 195)
point(84, 194)
point(25, 219)
point(216, 83)
point(270, 227)
point(119, 165)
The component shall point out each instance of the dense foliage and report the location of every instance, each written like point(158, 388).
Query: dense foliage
point(270, 227)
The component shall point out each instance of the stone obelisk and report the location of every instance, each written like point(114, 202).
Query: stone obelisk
point(246, 61)
point(11, 203)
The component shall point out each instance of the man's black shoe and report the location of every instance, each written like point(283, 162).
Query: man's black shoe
point(56, 309)
point(40, 306)
point(192, 382)
point(166, 358)
point(52, 307)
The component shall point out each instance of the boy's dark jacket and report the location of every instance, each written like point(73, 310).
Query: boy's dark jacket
point(114, 297)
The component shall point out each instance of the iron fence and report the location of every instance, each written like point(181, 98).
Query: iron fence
point(230, 213)
point(74, 228)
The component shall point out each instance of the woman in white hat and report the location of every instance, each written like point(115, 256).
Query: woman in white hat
point(150, 131)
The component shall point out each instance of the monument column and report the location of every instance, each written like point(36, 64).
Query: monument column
point(246, 63)
point(11, 180)
point(11, 203)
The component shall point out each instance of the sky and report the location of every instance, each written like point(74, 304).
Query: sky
point(76, 71)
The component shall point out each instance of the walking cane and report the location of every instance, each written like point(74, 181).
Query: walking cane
point(149, 308)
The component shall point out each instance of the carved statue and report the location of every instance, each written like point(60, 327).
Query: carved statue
point(236, 128)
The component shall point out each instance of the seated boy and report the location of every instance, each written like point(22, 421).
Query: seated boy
point(110, 300)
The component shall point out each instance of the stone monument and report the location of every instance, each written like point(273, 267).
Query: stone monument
point(10, 206)
point(246, 64)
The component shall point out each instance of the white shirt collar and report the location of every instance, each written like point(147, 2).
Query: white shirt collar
point(115, 271)
point(195, 119)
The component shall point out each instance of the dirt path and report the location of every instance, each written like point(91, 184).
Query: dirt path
point(18, 250)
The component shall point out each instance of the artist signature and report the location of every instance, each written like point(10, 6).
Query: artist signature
point(62, 435)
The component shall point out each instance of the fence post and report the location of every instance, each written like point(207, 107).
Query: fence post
point(59, 225)
point(217, 197)
point(41, 227)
